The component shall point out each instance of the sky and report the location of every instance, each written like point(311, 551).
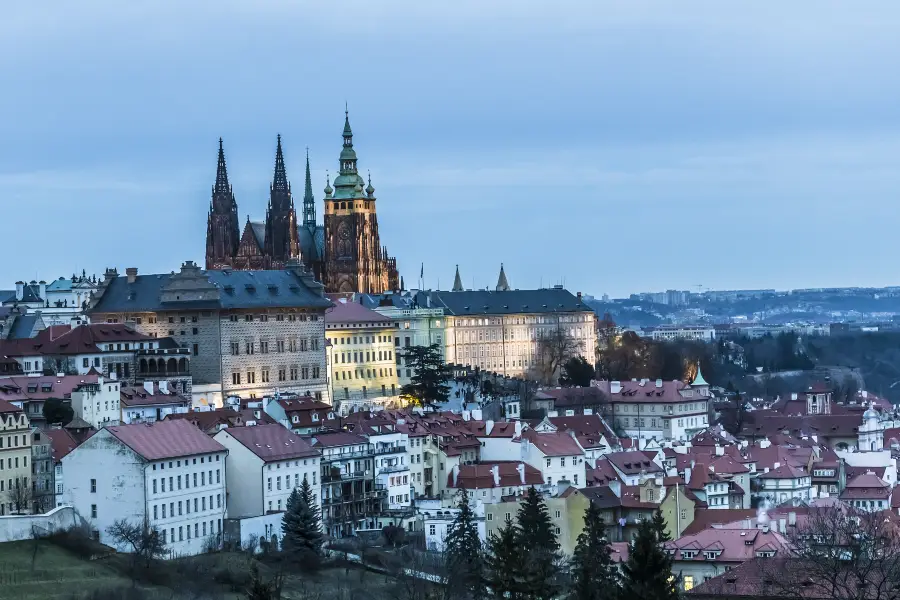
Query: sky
point(614, 147)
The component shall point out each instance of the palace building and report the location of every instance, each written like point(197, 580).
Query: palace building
point(345, 253)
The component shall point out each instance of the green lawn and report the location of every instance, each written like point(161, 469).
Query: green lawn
point(56, 573)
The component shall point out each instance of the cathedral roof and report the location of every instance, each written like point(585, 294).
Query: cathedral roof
point(312, 242)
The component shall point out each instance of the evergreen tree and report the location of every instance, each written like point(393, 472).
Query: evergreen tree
point(595, 575)
point(538, 541)
point(430, 380)
point(302, 526)
point(504, 563)
point(464, 554)
point(659, 526)
point(647, 574)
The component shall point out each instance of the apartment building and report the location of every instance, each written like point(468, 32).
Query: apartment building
point(168, 473)
point(249, 333)
point(15, 457)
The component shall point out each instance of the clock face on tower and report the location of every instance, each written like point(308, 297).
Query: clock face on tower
point(344, 245)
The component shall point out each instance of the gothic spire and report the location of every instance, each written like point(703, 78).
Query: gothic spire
point(280, 182)
point(309, 202)
point(502, 283)
point(457, 281)
point(348, 133)
point(221, 186)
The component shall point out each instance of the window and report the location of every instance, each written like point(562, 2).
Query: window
point(688, 582)
point(264, 375)
point(94, 511)
point(432, 530)
point(236, 379)
point(235, 348)
point(93, 486)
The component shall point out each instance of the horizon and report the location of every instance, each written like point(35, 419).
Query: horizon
point(737, 147)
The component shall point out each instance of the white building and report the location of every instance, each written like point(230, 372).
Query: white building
point(265, 464)
point(97, 403)
point(168, 473)
point(392, 469)
point(557, 455)
point(489, 482)
point(437, 519)
point(151, 403)
point(784, 483)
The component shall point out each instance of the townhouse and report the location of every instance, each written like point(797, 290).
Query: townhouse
point(167, 473)
point(15, 454)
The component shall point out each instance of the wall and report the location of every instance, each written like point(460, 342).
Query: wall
point(355, 362)
point(15, 528)
point(249, 531)
point(98, 404)
point(244, 478)
point(15, 456)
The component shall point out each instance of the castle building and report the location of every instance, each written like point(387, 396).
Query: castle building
point(345, 253)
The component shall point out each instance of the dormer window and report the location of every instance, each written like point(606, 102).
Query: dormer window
point(688, 554)
point(295, 419)
point(315, 417)
point(765, 554)
point(710, 554)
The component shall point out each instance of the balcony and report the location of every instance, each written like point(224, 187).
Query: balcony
point(339, 477)
point(345, 455)
point(390, 450)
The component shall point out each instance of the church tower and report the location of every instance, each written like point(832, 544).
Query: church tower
point(355, 260)
point(281, 239)
point(222, 229)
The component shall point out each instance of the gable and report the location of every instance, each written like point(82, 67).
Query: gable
point(250, 244)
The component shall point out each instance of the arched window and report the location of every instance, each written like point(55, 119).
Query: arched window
point(172, 365)
point(183, 365)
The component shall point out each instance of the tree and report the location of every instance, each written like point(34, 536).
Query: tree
point(837, 552)
point(595, 575)
point(647, 574)
point(302, 527)
point(538, 540)
point(504, 562)
point(464, 554)
point(20, 495)
point(144, 542)
point(553, 350)
point(431, 376)
point(577, 371)
point(260, 589)
point(57, 411)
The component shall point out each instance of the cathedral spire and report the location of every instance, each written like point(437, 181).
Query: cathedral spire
point(457, 281)
point(221, 186)
point(309, 202)
point(502, 283)
point(279, 182)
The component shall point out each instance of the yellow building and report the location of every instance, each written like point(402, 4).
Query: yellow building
point(566, 515)
point(15, 464)
point(362, 361)
point(678, 511)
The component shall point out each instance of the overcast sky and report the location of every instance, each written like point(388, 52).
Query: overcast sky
point(616, 146)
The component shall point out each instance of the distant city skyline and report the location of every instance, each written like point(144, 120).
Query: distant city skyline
point(614, 147)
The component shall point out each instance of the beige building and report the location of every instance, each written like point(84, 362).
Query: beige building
point(362, 361)
point(499, 330)
point(566, 515)
point(15, 454)
point(678, 510)
point(249, 333)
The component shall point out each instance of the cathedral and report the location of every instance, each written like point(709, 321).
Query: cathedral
point(345, 253)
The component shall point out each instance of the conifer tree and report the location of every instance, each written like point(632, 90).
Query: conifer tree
point(464, 554)
point(504, 563)
point(659, 525)
point(647, 574)
point(538, 541)
point(594, 574)
point(302, 526)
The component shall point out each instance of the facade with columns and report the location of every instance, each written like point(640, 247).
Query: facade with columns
point(345, 253)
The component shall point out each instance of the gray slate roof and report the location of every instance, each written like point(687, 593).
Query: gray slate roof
point(269, 289)
point(312, 242)
point(481, 302)
point(23, 327)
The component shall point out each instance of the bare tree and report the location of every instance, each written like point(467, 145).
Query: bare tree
point(144, 541)
point(20, 496)
point(839, 552)
point(553, 350)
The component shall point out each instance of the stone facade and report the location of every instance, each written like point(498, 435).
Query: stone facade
point(255, 324)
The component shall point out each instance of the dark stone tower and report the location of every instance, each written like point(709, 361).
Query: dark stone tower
point(281, 239)
point(222, 231)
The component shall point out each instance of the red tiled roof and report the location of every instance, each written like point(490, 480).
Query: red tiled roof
point(352, 312)
point(784, 472)
point(165, 439)
point(83, 339)
point(17, 388)
point(705, 518)
point(334, 439)
point(633, 462)
point(480, 476)
point(733, 545)
point(8, 407)
point(867, 486)
point(61, 443)
point(589, 429)
point(557, 443)
point(635, 392)
point(272, 442)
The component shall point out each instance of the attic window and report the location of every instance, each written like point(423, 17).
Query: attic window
point(273, 289)
point(229, 289)
point(46, 387)
point(688, 554)
point(295, 289)
point(710, 554)
point(32, 388)
point(250, 288)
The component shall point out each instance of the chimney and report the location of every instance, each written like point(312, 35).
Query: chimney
point(42, 287)
point(719, 450)
point(476, 414)
point(615, 387)
point(131, 274)
point(164, 387)
point(518, 428)
point(495, 471)
point(455, 474)
point(588, 412)
point(793, 395)
point(20, 290)
point(792, 518)
point(782, 525)
point(488, 427)
point(776, 465)
point(110, 274)
point(659, 383)
point(765, 528)
point(148, 387)
point(521, 469)
point(466, 415)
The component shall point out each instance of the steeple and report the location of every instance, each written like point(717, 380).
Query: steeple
point(457, 281)
point(348, 183)
point(280, 182)
point(502, 283)
point(309, 203)
point(221, 186)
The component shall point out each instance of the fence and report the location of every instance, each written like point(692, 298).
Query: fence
point(15, 528)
